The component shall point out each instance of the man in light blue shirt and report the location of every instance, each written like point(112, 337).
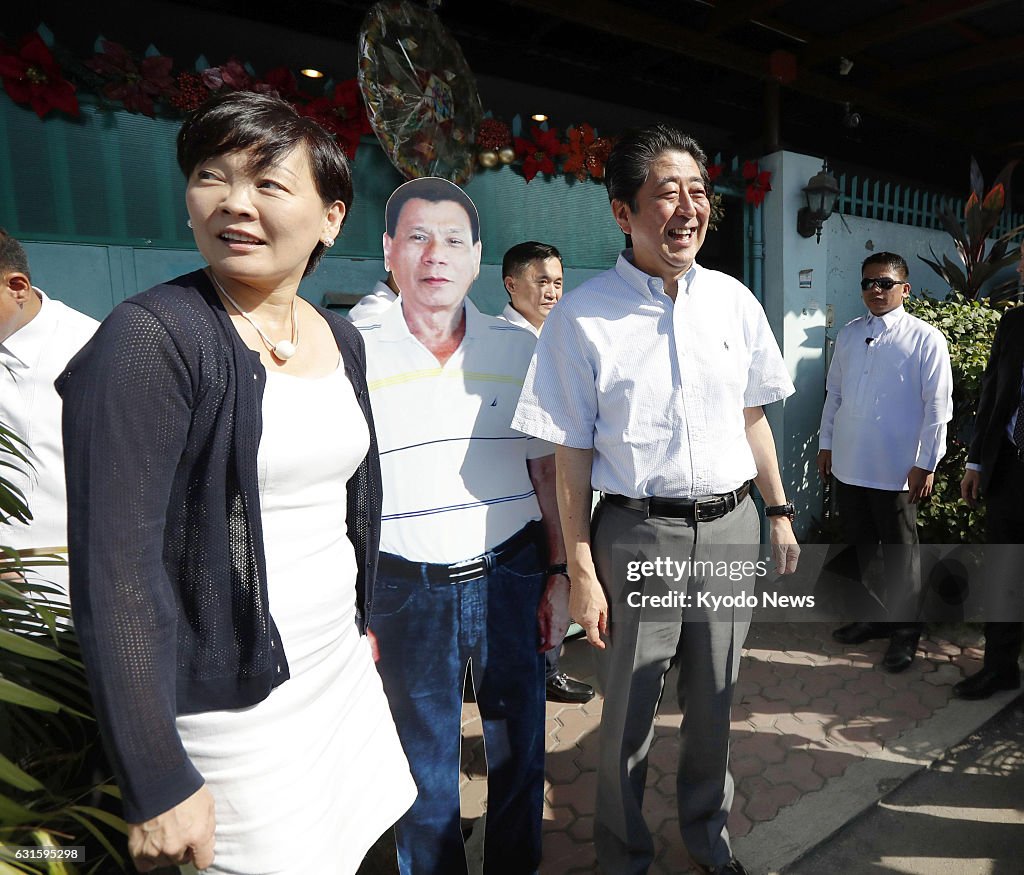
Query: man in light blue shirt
point(883, 431)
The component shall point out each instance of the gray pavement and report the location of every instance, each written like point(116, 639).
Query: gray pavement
point(963, 815)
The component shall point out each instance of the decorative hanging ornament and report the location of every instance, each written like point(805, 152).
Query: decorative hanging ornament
point(488, 158)
point(506, 155)
point(420, 94)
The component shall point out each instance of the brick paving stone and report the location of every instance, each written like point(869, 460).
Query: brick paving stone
point(766, 798)
point(968, 663)
point(936, 697)
point(561, 766)
point(664, 755)
point(796, 769)
point(887, 730)
point(561, 851)
point(474, 798)
point(848, 706)
point(940, 647)
point(831, 763)
point(789, 691)
point(873, 683)
point(859, 731)
point(759, 672)
point(761, 745)
point(761, 713)
point(788, 656)
point(574, 723)
point(820, 682)
point(561, 818)
point(739, 824)
point(945, 675)
point(581, 794)
point(744, 766)
point(582, 829)
point(906, 705)
point(658, 807)
point(784, 669)
point(796, 732)
point(744, 688)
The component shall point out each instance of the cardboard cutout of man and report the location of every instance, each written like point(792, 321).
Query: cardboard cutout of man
point(472, 562)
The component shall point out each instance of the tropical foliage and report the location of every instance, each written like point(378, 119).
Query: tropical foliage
point(53, 786)
point(981, 261)
point(969, 327)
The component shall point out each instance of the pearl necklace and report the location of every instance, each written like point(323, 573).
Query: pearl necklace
point(283, 349)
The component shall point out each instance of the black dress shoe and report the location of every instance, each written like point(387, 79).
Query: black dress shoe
point(986, 682)
point(562, 688)
point(858, 633)
point(901, 650)
point(733, 867)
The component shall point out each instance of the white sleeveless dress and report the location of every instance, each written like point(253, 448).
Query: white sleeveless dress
point(308, 779)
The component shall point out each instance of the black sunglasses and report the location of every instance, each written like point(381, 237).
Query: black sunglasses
point(883, 282)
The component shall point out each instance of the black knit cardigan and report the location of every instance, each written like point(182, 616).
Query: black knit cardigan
point(162, 423)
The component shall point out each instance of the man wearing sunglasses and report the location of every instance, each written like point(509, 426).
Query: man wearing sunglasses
point(883, 431)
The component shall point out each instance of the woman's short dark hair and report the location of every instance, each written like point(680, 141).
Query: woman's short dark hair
point(242, 120)
point(631, 159)
point(435, 190)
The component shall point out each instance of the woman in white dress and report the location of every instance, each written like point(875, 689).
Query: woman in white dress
point(224, 497)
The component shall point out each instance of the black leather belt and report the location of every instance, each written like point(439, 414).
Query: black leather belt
point(701, 510)
point(461, 572)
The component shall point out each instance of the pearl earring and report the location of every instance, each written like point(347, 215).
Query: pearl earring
point(329, 242)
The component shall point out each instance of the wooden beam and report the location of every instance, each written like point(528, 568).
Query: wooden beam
point(950, 64)
point(633, 26)
point(726, 16)
point(886, 28)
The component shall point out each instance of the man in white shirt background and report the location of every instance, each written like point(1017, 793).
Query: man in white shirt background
point(38, 336)
point(384, 294)
point(532, 273)
point(883, 431)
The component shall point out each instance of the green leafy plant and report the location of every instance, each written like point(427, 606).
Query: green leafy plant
point(969, 327)
point(980, 261)
point(53, 789)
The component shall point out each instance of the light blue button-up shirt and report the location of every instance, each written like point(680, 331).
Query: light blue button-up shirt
point(656, 388)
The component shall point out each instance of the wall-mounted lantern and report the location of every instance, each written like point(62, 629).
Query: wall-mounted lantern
point(821, 192)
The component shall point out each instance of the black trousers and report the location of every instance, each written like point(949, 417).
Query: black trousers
point(1004, 524)
point(870, 517)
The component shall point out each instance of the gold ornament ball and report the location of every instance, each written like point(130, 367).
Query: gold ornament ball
point(507, 154)
point(488, 158)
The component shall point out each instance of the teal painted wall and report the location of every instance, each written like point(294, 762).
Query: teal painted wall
point(99, 203)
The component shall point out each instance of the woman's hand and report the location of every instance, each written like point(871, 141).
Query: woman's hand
point(183, 834)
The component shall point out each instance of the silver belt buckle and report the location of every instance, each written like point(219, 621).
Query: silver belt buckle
point(467, 570)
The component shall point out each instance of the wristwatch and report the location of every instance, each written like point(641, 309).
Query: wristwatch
point(786, 509)
point(557, 568)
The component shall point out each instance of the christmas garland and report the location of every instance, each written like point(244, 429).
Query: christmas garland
point(48, 80)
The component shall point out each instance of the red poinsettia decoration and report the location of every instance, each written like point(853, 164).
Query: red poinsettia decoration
point(597, 156)
point(343, 114)
point(538, 154)
point(232, 76)
point(282, 81)
point(580, 140)
point(31, 75)
point(714, 171)
point(137, 84)
point(758, 182)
